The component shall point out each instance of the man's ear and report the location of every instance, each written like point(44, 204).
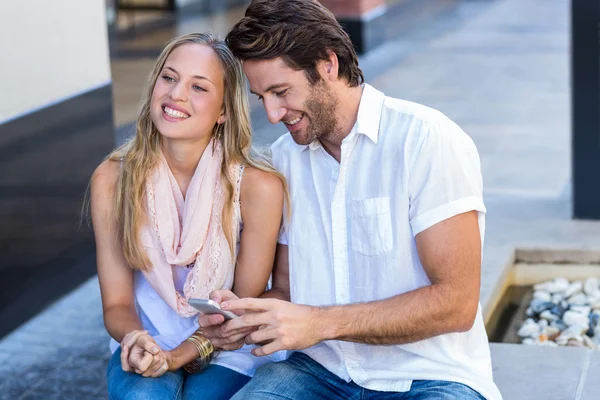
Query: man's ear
point(331, 66)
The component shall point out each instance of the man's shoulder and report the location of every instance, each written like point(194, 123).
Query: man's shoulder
point(418, 119)
point(409, 123)
point(405, 110)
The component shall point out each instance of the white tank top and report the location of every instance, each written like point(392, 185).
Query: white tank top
point(169, 329)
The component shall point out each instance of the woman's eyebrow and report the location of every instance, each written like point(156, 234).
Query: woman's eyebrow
point(195, 76)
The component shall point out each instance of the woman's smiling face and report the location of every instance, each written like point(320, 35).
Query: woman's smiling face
point(187, 100)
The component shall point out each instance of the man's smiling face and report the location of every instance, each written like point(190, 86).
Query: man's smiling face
point(308, 111)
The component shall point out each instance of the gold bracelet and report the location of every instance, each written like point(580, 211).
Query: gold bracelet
point(195, 344)
point(203, 345)
point(212, 349)
point(206, 352)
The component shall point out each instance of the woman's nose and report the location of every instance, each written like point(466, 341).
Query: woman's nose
point(178, 92)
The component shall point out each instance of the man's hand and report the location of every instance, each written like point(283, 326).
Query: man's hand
point(213, 326)
point(282, 325)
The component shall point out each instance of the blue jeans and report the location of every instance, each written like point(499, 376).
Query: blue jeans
point(300, 377)
point(213, 382)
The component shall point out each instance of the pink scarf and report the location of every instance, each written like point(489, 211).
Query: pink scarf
point(181, 232)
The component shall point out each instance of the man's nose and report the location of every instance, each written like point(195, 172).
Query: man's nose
point(178, 92)
point(275, 113)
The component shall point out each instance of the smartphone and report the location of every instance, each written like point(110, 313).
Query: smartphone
point(210, 307)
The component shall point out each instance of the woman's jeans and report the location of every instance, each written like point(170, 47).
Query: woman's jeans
point(213, 382)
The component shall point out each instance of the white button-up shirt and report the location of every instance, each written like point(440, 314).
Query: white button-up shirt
point(404, 168)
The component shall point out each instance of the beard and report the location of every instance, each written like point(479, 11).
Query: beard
point(321, 109)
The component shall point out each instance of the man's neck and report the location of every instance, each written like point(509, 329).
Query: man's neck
point(349, 102)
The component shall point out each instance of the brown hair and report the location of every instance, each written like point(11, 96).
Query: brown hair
point(301, 32)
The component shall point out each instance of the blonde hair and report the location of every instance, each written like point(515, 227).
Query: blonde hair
point(140, 154)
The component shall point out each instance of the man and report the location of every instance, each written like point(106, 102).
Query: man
point(383, 250)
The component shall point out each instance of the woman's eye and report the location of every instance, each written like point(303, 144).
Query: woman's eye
point(168, 78)
point(198, 88)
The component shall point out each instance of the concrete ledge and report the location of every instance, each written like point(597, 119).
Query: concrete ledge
point(557, 373)
point(557, 256)
point(590, 389)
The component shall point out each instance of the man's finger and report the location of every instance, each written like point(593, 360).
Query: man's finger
point(262, 335)
point(267, 349)
point(250, 303)
point(246, 321)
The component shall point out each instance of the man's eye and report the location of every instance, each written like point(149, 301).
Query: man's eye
point(281, 94)
point(259, 97)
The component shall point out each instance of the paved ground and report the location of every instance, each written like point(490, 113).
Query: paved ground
point(498, 68)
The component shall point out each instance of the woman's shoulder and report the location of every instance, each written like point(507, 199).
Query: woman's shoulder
point(259, 184)
point(105, 177)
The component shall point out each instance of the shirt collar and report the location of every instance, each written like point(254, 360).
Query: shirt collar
point(369, 112)
point(368, 118)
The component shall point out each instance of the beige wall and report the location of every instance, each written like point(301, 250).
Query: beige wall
point(50, 50)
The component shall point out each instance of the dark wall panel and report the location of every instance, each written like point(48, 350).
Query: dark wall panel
point(46, 160)
point(585, 71)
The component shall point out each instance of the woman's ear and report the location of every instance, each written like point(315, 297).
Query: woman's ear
point(221, 119)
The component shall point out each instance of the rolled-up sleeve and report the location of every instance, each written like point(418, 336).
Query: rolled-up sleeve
point(445, 176)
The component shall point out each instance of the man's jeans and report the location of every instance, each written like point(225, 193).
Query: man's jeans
point(212, 383)
point(299, 377)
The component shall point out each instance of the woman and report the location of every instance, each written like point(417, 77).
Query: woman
point(167, 215)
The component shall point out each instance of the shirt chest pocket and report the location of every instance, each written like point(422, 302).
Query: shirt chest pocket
point(371, 226)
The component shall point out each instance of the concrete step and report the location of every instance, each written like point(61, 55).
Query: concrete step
point(549, 373)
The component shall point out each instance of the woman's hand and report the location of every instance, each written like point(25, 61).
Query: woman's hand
point(159, 364)
point(141, 354)
point(213, 325)
point(126, 346)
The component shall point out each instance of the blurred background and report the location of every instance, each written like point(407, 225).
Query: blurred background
point(521, 77)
